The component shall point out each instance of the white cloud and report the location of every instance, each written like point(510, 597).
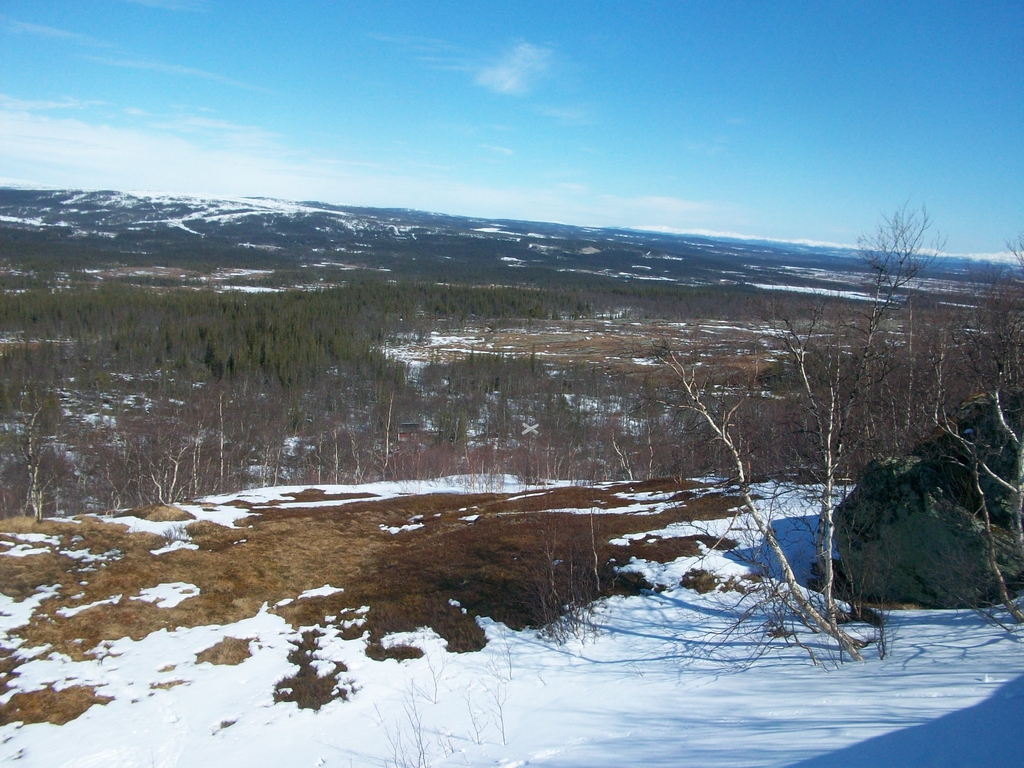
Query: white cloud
point(237, 134)
point(567, 115)
point(664, 213)
point(741, 236)
point(40, 30)
point(6, 102)
point(517, 72)
point(500, 150)
point(207, 156)
point(174, 69)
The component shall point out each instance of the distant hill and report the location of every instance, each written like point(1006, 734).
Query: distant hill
point(105, 227)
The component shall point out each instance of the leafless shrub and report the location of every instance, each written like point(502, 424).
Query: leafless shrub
point(407, 737)
point(477, 717)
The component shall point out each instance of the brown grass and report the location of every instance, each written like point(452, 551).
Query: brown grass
point(491, 567)
point(667, 550)
point(699, 580)
point(702, 581)
point(49, 706)
point(378, 652)
point(306, 688)
point(159, 513)
point(609, 344)
point(229, 651)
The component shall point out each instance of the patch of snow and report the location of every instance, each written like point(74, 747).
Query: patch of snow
point(250, 289)
point(168, 595)
point(67, 613)
point(174, 546)
point(394, 530)
point(37, 538)
point(24, 550)
point(18, 613)
point(325, 591)
point(854, 295)
point(86, 556)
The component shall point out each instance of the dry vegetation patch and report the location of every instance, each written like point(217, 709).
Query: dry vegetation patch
point(613, 344)
point(504, 565)
point(664, 550)
point(160, 513)
point(702, 581)
point(229, 651)
point(50, 706)
point(306, 687)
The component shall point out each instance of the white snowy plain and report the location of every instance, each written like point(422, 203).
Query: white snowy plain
point(642, 691)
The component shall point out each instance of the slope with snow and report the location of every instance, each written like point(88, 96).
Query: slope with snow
point(653, 684)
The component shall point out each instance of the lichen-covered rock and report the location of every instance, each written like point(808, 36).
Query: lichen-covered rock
point(978, 421)
point(911, 529)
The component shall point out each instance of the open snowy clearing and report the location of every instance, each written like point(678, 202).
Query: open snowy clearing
point(619, 343)
point(174, 688)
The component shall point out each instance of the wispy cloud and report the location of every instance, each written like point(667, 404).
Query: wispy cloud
point(567, 115)
point(500, 150)
point(517, 72)
point(26, 105)
point(191, 154)
point(53, 33)
point(430, 51)
point(663, 207)
point(174, 69)
point(172, 5)
point(235, 134)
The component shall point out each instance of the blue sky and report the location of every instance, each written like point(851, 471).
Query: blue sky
point(786, 120)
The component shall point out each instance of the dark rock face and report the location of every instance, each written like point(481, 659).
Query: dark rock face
point(911, 531)
point(977, 420)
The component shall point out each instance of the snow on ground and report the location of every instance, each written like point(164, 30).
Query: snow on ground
point(173, 547)
point(325, 591)
point(854, 295)
point(649, 688)
point(67, 613)
point(213, 508)
point(168, 595)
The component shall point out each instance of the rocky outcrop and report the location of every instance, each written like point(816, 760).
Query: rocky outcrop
point(912, 530)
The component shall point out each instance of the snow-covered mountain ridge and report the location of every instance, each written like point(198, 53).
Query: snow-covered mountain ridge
point(302, 232)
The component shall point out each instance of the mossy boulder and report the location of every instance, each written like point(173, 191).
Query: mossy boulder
point(911, 531)
point(978, 421)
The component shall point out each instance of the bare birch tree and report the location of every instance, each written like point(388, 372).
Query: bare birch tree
point(839, 355)
point(703, 397)
point(836, 356)
point(36, 418)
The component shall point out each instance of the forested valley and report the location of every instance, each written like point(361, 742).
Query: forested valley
point(118, 395)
